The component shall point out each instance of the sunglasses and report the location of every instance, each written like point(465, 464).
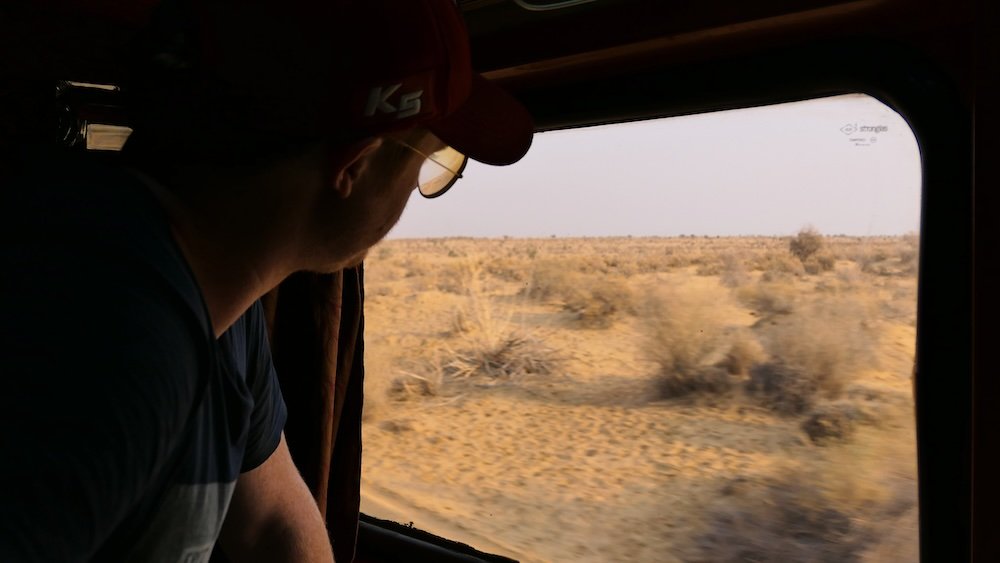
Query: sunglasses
point(440, 170)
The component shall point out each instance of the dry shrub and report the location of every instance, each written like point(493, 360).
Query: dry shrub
point(593, 304)
point(451, 278)
point(807, 242)
point(782, 388)
point(836, 422)
point(681, 259)
point(784, 519)
point(819, 263)
point(620, 266)
point(814, 354)
point(745, 352)
point(709, 268)
point(506, 269)
point(597, 304)
point(734, 273)
point(855, 503)
point(769, 298)
point(828, 426)
point(414, 268)
point(777, 263)
point(684, 332)
point(651, 264)
point(727, 266)
point(550, 280)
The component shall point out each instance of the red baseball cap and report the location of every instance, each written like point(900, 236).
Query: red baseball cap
point(369, 67)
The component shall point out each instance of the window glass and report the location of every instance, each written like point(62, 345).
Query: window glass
point(685, 339)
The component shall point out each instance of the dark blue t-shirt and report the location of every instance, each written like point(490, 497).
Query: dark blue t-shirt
point(123, 423)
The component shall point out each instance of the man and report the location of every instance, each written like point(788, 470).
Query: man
point(141, 417)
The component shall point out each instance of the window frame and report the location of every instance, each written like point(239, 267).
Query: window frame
point(941, 121)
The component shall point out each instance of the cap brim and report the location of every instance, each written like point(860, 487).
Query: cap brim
point(490, 127)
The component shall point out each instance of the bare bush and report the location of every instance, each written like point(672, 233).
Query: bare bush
point(451, 277)
point(782, 388)
point(684, 333)
point(807, 242)
point(745, 352)
point(774, 263)
point(769, 298)
point(592, 303)
point(734, 272)
point(786, 519)
point(550, 280)
point(815, 354)
point(507, 269)
point(819, 263)
point(710, 267)
point(836, 421)
point(597, 304)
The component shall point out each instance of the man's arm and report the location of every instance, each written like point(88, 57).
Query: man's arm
point(273, 517)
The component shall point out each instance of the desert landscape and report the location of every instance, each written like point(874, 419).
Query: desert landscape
point(686, 399)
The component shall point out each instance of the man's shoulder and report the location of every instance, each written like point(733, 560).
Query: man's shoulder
point(93, 267)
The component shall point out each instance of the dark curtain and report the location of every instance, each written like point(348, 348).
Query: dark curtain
point(316, 324)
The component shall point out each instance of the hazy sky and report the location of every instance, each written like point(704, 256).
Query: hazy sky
point(847, 164)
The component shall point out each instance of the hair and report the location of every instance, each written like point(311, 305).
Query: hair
point(178, 114)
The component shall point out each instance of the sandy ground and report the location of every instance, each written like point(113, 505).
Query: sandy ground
point(588, 463)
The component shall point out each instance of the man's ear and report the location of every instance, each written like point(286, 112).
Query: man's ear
point(348, 163)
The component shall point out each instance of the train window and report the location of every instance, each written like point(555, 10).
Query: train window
point(684, 339)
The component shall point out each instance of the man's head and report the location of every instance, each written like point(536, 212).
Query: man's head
point(369, 88)
point(305, 69)
point(368, 186)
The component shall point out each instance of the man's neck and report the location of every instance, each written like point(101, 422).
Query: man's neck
point(236, 247)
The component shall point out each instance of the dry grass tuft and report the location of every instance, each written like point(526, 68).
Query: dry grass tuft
point(419, 378)
point(506, 357)
point(491, 345)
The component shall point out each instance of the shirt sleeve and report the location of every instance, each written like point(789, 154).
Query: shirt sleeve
point(267, 420)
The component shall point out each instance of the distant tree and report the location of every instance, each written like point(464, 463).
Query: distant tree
point(806, 243)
